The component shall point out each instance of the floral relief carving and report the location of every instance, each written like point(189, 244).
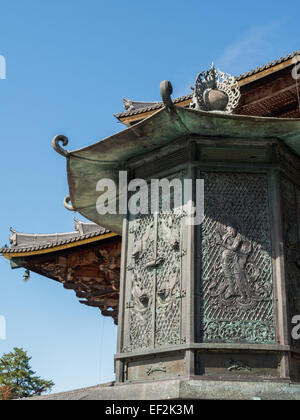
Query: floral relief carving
point(155, 299)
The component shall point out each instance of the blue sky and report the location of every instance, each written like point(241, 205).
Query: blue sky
point(69, 64)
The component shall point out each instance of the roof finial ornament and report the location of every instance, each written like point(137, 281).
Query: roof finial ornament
point(57, 147)
point(166, 90)
point(78, 226)
point(128, 104)
point(13, 238)
point(215, 91)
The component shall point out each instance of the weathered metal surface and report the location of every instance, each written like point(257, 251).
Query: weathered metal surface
point(214, 347)
point(154, 281)
point(57, 147)
point(166, 91)
point(139, 308)
point(238, 364)
point(237, 286)
point(240, 304)
point(155, 368)
point(236, 271)
point(290, 210)
point(105, 159)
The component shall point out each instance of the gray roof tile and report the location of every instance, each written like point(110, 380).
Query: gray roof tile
point(23, 242)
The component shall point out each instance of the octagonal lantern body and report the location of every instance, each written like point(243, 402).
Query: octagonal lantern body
point(214, 300)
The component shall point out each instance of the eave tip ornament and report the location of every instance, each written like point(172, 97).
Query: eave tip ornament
point(57, 147)
point(215, 91)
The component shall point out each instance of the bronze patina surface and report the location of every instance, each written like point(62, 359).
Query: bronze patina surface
point(106, 158)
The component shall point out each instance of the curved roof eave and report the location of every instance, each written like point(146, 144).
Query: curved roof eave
point(106, 158)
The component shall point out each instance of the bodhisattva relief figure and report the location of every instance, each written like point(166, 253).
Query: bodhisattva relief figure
point(231, 281)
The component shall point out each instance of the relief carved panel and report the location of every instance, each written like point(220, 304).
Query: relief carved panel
point(143, 259)
point(154, 273)
point(236, 285)
point(168, 280)
point(290, 198)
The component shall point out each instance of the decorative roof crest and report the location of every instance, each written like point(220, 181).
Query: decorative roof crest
point(128, 104)
point(215, 91)
point(13, 238)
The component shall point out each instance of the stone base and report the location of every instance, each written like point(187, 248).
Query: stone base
point(185, 390)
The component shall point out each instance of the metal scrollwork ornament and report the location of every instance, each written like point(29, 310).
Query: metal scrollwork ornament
point(67, 205)
point(57, 147)
point(215, 91)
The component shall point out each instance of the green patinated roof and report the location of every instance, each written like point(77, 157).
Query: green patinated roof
point(104, 159)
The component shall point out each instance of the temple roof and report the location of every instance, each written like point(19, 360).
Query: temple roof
point(24, 242)
point(148, 106)
point(86, 261)
point(269, 65)
point(135, 108)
